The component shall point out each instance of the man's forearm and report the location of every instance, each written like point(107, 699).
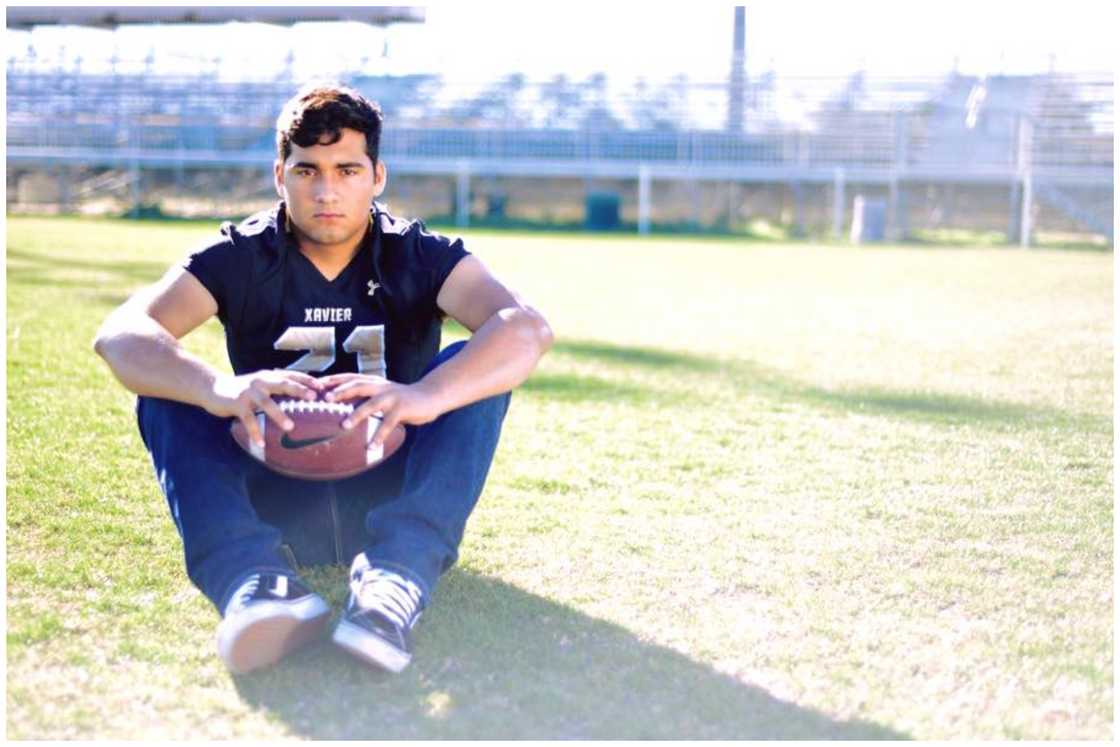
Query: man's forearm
point(498, 357)
point(148, 360)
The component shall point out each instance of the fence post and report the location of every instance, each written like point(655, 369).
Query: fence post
point(463, 194)
point(1025, 145)
point(62, 175)
point(137, 193)
point(902, 140)
point(643, 199)
point(896, 211)
point(1014, 205)
point(897, 220)
point(797, 187)
point(838, 202)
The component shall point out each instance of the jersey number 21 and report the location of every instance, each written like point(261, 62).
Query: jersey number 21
point(367, 342)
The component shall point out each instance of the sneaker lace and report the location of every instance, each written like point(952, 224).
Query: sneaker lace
point(393, 595)
point(244, 593)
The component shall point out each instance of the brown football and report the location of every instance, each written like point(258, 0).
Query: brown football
point(318, 447)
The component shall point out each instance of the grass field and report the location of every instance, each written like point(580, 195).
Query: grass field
point(754, 491)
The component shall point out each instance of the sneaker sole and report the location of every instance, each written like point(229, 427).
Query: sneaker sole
point(369, 647)
point(269, 632)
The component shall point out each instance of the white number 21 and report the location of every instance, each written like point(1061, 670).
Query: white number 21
point(367, 342)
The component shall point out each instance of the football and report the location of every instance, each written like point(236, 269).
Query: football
point(318, 447)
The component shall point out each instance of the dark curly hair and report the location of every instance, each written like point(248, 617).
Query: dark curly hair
point(318, 114)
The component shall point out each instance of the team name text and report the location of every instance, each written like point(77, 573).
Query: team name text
point(327, 315)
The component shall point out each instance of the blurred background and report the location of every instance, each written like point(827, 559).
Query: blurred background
point(948, 122)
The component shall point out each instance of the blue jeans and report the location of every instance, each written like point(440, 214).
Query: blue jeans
point(237, 517)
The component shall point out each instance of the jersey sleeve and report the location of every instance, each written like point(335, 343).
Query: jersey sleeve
point(437, 256)
point(222, 268)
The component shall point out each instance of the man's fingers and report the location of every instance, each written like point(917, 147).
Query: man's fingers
point(356, 389)
point(306, 380)
point(292, 383)
point(372, 406)
point(388, 423)
point(262, 401)
point(380, 409)
point(335, 379)
point(294, 389)
point(250, 422)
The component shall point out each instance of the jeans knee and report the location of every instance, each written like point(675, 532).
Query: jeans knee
point(498, 404)
point(167, 424)
point(445, 355)
point(153, 411)
point(491, 410)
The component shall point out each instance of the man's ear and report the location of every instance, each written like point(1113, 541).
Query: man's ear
point(278, 177)
point(380, 178)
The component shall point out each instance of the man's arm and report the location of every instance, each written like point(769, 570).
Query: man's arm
point(140, 342)
point(509, 338)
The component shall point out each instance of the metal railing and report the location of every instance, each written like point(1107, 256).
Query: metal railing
point(1050, 130)
point(909, 148)
point(860, 124)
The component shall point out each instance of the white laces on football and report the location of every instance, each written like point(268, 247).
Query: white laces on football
point(390, 593)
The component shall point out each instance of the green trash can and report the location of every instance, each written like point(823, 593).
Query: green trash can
point(602, 211)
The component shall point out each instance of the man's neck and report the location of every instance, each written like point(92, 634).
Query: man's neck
point(329, 259)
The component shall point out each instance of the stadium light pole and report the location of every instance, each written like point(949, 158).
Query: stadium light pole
point(738, 72)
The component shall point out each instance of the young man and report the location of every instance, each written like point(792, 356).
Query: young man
point(324, 296)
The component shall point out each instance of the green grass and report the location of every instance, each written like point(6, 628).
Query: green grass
point(755, 490)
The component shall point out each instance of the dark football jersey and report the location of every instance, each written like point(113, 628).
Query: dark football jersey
point(378, 316)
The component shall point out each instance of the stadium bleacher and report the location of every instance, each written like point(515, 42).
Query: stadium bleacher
point(1055, 130)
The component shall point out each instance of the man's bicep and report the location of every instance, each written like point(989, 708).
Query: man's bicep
point(179, 302)
point(470, 295)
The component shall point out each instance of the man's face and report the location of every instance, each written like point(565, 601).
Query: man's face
point(328, 189)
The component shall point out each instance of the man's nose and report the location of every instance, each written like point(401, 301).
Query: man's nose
point(326, 189)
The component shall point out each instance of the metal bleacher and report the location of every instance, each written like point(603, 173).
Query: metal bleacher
point(104, 119)
point(1052, 130)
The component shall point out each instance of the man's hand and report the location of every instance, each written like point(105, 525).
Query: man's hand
point(243, 396)
point(394, 403)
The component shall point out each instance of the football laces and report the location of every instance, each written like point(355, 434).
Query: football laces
point(333, 408)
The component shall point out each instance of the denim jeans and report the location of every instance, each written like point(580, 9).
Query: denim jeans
point(237, 517)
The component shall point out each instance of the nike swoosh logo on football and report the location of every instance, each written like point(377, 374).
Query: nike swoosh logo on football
point(298, 443)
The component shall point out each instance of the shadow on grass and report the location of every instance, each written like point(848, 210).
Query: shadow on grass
point(43, 269)
point(635, 356)
point(107, 300)
point(945, 408)
point(573, 387)
point(751, 377)
point(493, 661)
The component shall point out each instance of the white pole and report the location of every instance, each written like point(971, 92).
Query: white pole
point(1025, 218)
point(463, 195)
point(1025, 174)
point(838, 203)
point(137, 196)
point(893, 214)
point(643, 199)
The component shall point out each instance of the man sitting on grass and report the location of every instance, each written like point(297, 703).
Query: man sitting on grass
point(375, 289)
